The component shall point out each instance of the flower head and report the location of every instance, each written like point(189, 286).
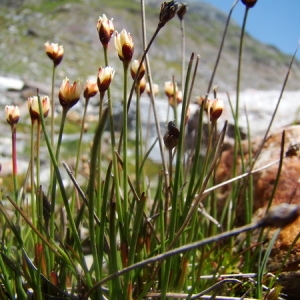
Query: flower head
point(170, 88)
point(171, 137)
point(142, 85)
point(12, 114)
point(172, 93)
point(134, 68)
point(249, 3)
point(55, 52)
point(90, 89)
point(155, 89)
point(124, 45)
point(33, 107)
point(182, 11)
point(105, 76)
point(167, 12)
point(105, 29)
point(69, 94)
point(216, 109)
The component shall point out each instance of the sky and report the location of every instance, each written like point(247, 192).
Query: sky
point(274, 22)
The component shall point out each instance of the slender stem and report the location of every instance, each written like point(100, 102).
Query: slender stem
point(177, 178)
point(115, 198)
point(178, 168)
point(39, 197)
point(14, 159)
point(52, 107)
point(52, 119)
point(125, 153)
point(182, 52)
point(138, 148)
point(79, 150)
point(91, 191)
point(238, 81)
point(65, 200)
point(54, 178)
point(80, 137)
point(221, 47)
point(32, 184)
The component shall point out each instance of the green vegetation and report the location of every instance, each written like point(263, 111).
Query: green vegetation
point(151, 230)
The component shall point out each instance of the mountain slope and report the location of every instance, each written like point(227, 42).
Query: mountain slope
point(73, 24)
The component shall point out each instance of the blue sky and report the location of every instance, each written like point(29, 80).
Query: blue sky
point(274, 22)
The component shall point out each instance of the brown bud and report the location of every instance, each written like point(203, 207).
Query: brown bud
point(134, 68)
point(171, 137)
point(105, 77)
point(182, 11)
point(12, 114)
point(105, 28)
point(167, 12)
point(249, 3)
point(216, 109)
point(124, 45)
point(69, 94)
point(90, 89)
point(33, 107)
point(55, 52)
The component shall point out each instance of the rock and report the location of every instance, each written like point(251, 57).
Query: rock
point(287, 191)
point(11, 84)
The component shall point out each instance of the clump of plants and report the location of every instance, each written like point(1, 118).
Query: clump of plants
point(145, 238)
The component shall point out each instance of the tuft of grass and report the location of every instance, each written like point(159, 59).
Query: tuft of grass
point(118, 226)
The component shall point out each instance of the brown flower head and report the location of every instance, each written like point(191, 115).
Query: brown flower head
point(134, 68)
point(33, 107)
point(182, 10)
point(249, 3)
point(172, 93)
point(167, 12)
point(216, 109)
point(142, 85)
point(171, 137)
point(105, 76)
point(12, 114)
point(90, 89)
point(55, 52)
point(170, 88)
point(124, 45)
point(69, 94)
point(105, 28)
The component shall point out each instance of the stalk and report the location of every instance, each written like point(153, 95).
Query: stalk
point(125, 154)
point(54, 179)
point(91, 191)
point(32, 185)
point(66, 203)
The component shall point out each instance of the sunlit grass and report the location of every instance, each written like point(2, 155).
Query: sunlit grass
point(151, 229)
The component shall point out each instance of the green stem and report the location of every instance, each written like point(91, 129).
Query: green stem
point(237, 105)
point(14, 159)
point(52, 119)
point(138, 148)
point(39, 197)
point(125, 153)
point(32, 185)
point(66, 203)
point(54, 178)
point(113, 265)
point(79, 150)
point(91, 191)
point(52, 107)
point(182, 52)
point(177, 178)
